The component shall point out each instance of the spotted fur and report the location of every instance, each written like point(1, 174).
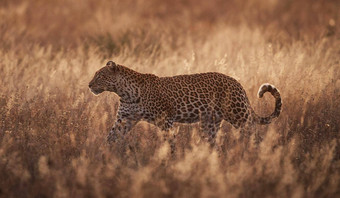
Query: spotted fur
point(207, 98)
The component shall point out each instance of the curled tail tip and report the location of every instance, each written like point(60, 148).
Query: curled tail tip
point(264, 88)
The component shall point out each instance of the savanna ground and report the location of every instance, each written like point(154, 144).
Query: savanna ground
point(53, 130)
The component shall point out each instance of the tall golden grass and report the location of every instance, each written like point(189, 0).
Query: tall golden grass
point(53, 130)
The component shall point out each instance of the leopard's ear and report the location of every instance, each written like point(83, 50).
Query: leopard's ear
point(112, 65)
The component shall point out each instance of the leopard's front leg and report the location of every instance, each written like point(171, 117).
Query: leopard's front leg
point(165, 126)
point(120, 128)
point(126, 120)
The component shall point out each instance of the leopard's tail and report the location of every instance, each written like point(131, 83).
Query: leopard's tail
point(278, 103)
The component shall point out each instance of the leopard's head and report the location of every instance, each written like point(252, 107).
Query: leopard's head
point(105, 79)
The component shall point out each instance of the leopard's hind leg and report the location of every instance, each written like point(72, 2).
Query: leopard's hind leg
point(209, 126)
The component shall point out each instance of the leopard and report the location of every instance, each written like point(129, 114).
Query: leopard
point(204, 98)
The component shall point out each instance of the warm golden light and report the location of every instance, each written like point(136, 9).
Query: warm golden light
point(53, 129)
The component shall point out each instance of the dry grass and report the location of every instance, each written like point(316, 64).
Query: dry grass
point(52, 129)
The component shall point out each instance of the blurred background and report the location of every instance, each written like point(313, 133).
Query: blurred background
point(66, 24)
point(53, 130)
